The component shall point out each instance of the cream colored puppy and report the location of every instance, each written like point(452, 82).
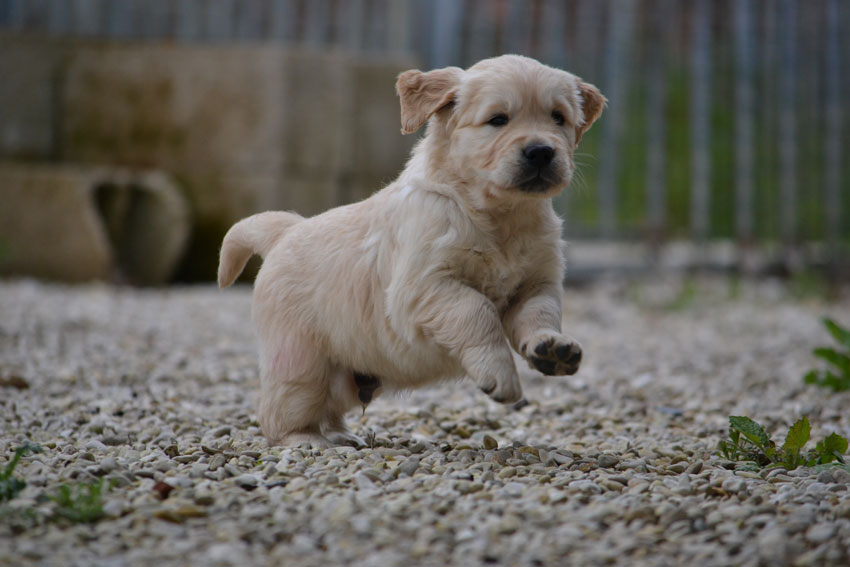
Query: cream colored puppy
point(437, 275)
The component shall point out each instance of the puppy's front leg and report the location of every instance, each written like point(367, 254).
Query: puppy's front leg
point(533, 325)
point(466, 323)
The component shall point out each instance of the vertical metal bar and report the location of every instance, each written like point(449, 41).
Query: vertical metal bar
point(834, 121)
point(219, 20)
point(788, 123)
point(700, 130)
point(377, 24)
point(621, 18)
point(369, 39)
point(58, 17)
point(351, 20)
point(518, 27)
point(188, 20)
point(482, 30)
point(553, 22)
point(398, 40)
point(249, 20)
point(119, 20)
point(656, 131)
point(86, 16)
point(15, 14)
point(156, 19)
point(283, 13)
point(589, 37)
point(316, 26)
point(6, 13)
point(744, 119)
point(768, 132)
point(30, 15)
point(445, 33)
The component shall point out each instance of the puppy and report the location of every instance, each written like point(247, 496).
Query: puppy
point(437, 275)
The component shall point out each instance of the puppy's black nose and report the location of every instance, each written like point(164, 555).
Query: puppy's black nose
point(539, 155)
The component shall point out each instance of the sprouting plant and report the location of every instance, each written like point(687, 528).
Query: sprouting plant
point(80, 503)
point(748, 441)
point(837, 378)
point(10, 485)
point(371, 437)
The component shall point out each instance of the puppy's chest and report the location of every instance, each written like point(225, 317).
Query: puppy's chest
point(497, 272)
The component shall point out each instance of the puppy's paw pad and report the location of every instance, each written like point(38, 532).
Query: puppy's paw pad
point(556, 356)
point(544, 348)
point(305, 440)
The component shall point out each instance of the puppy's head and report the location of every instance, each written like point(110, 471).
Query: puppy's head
point(507, 126)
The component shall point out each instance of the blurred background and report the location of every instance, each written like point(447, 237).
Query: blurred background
point(133, 133)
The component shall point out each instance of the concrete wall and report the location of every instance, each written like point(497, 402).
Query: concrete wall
point(241, 128)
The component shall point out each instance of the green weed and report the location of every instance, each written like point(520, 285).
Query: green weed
point(10, 485)
point(748, 441)
point(80, 503)
point(837, 378)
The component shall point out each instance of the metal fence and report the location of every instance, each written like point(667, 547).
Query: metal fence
point(727, 119)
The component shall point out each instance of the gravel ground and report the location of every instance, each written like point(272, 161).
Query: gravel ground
point(155, 391)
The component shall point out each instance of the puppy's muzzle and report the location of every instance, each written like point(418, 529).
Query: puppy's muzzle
point(539, 155)
point(537, 172)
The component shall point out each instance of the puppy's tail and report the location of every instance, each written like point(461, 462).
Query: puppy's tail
point(254, 235)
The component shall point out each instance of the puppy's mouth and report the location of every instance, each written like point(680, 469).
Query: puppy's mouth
point(537, 179)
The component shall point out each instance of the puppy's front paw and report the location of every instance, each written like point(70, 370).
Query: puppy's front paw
point(506, 392)
point(555, 355)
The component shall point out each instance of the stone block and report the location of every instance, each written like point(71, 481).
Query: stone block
point(78, 223)
point(181, 108)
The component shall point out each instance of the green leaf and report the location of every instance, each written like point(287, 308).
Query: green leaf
point(835, 443)
point(9, 485)
point(734, 435)
point(751, 430)
point(798, 435)
point(837, 359)
point(837, 383)
point(826, 379)
point(812, 377)
point(839, 333)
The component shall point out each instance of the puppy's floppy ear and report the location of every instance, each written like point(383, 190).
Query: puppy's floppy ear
point(423, 94)
point(592, 103)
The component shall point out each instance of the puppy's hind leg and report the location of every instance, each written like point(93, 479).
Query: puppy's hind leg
point(343, 396)
point(293, 394)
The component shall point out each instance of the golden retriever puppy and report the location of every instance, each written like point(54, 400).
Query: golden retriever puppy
point(438, 275)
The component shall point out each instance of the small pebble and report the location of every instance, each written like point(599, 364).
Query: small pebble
point(247, 481)
point(607, 461)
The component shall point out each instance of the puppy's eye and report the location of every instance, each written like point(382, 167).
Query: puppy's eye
point(558, 117)
point(498, 120)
